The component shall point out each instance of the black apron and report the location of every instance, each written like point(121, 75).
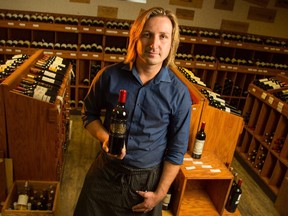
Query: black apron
point(110, 189)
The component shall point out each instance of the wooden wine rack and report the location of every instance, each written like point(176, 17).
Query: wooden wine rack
point(266, 114)
point(209, 190)
point(36, 130)
point(210, 73)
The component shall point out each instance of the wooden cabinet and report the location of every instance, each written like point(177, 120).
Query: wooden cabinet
point(263, 145)
point(86, 41)
point(36, 130)
point(203, 190)
point(202, 186)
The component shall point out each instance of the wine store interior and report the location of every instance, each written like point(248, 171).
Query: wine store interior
point(233, 59)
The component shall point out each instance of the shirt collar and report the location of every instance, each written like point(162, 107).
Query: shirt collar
point(162, 76)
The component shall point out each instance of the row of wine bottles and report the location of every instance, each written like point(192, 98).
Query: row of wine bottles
point(34, 199)
point(232, 60)
point(46, 18)
point(44, 79)
point(216, 101)
point(233, 37)
point(11, 65)
point(270, 83)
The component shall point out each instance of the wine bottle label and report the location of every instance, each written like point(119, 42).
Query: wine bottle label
point(118, 128)
point(22, 199)
point(46, 79)
point(49, 74)
point(198, 148)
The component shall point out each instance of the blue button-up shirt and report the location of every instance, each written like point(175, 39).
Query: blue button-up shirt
point(159, 113)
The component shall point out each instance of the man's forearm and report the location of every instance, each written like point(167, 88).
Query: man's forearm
point(97, 130)
point(169, 173)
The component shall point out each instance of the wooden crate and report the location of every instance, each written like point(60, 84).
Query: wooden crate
point(36, 185)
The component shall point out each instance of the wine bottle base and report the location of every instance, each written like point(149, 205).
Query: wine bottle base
point(196, 156)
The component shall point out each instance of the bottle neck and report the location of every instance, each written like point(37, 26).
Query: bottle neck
point(122, 98)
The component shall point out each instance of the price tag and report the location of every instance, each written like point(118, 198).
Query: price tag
point(121, 58)
point(8, 50)
point(58, 53)
point(197, 162)
point(218, 42)
point(223, 66)
point(182, 38)
point(211, 65)
point(10, 24)
point(1, 49)
point(280, 106)
point(67, 28)
point(204, 40)
point(235, 68)
point(35, 25)
point(264, 95)
point(86, 29)
point(74, 28)
point(22, 24)
point(239, 44)
point(285, 50)
point(206, 166)
point(125, 33)
point(190, 167)
point(226, 43)
point(193, 39)
point(215, 170)
point(188, 63)
point(253, 89)
point(95, 55)
point(18, 51)
point(177, 63)
point(72, 54)
point(270, 100)
point(98, 30)
point(266, 48)
point(84, 54)
point(49, 53)
point(113, 57)
point(112, 32)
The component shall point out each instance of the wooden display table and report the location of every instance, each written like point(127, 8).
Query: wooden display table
point(201, 187)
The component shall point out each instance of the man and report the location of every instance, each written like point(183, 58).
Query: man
point(136, 181)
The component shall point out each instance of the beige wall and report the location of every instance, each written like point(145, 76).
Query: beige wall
point(206, 17)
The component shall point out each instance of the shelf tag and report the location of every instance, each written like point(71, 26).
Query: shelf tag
point(72, 54)
point(188, 63)
point(95, 55)
point(223, 66)
point(47, 52)
point(226, 43)
point(280, 106)
point(215, 170)
point(67, 28)
point(74, 28)
point(112, 57)
point(8, 50)
point(1, 49)
point(84, 54)
point(18, 51)
point(229, 67)
point(277, 49)
point(204, 40)
point(253, 89)
point(239, 44)
point(285, 50)
point(193, 39)
point(266, 48)
point(112, 32)
point(86, 29)
point(188, 159)
point(98, 30)
point(206, 166)
point(10, 24)
point(218, 42)
point(264, 95)
point(210, 65)
point(235, 68)
point(125, 33)
point(58, 53)
point(121, 58)
point(177, 63)
point(190, 167)
point(270, 100)
point(36, 25)
point(22, 24)
point(272, 48)
point(197, 162)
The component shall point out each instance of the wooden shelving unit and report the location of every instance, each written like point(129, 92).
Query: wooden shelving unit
point(36, 130)
point(213, 74)
point(265, 113)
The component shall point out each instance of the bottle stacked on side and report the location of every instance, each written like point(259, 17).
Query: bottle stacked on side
point(44, 79)
point(30, 198)
point(11, 65)
point(282, 95)
point(191, 77)
point(270, 83)
point(216, 101)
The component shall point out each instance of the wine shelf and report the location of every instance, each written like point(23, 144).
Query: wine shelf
point(263, 145)
point(59, 29)
point(37, 132)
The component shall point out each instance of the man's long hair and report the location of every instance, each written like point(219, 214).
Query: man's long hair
point(137, 29)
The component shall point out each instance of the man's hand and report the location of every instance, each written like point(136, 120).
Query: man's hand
point(105, 147)
point(151, 199)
